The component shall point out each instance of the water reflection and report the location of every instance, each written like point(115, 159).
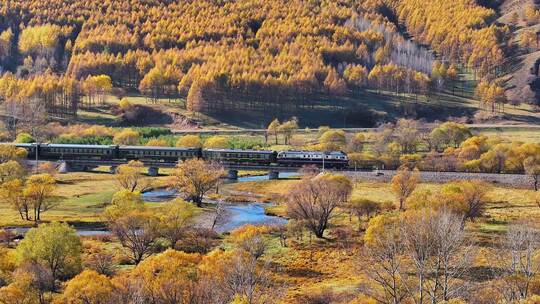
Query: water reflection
point(237, 215)
point(159, 195)
point(254, 214)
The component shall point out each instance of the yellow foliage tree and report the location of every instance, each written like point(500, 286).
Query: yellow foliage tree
point(195, 177)
point(189, 141)
point(88, 287)
point(216, 142)
point(126, 137)
point(404, 183)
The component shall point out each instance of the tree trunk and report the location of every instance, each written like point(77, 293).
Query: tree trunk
point(198, 201)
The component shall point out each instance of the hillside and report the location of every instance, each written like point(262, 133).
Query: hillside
point(521, 76)
point(340, 63)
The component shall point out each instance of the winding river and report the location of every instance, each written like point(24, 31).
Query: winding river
point(237, 215)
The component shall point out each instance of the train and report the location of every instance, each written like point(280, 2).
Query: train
point(334, 159)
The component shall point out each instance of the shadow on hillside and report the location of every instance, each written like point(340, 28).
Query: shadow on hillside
point(368, 110)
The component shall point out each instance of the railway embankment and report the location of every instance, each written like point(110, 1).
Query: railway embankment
point(511, 180)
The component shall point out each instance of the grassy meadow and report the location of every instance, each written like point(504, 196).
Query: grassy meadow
point(312, 266)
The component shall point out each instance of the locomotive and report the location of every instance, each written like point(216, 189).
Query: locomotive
point(338, 160)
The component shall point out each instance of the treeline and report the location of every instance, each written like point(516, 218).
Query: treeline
point(449, 147)
point(28, 101)
point(460, 31)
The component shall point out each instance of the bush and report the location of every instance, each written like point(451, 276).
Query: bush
point(127, 137)
point(189, 141)
point(216, 142)
point(90, 140)
point(24, 138)
point(150, 132)
point(246, 143)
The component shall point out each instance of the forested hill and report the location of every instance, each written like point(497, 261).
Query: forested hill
point(253, 54)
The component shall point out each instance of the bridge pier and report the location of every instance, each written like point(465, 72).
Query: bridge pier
point(65, 167)
point(232, 174)
point(113, 169)
point(153, 171)
point(272, 175)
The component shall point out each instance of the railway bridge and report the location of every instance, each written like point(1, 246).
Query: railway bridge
point(74, 165)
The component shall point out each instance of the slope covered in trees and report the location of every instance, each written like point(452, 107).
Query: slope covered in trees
point(249, 54)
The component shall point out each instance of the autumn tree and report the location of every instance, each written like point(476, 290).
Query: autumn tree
point(518, 267)
point(195, 99)
point(135, 227)
point(357, 143)
point(24, 138)
point(531, 15)
point(129, 176)
point(153, 84)
point(435, 243)
point(333, 140)
point(356, 76)
point(88, 287)
point(251, 239)
point(31, 284)
point(528, 40)
point(169, 277)
point(216, 142)
point(364, 208)
point(55, 246)
point(448, 134)
point(334, 83)
point(96, 88)
point(407, 135)
point(156, 142)
point(39, 41)
point(6, 38)
point(288, 128)
point(532, 169)
point(189, 141)
point(100, 259)
point(470, 196)
point(11, 170)
point(175, 218)
point(385, 265)
point(38, 191)
point(10, 152)
point(126, 137)
point(314, 201)
point(13, 194)
point(404, 183)
point(195, 178)
point(240, 274)
point(420, 255)
point(273, 128)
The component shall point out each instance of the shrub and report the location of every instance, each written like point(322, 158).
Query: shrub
point(149, 132)
point(189, 141)
point(216, 142)
point(246, 143)
point(24, 138)
point(127, 137)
